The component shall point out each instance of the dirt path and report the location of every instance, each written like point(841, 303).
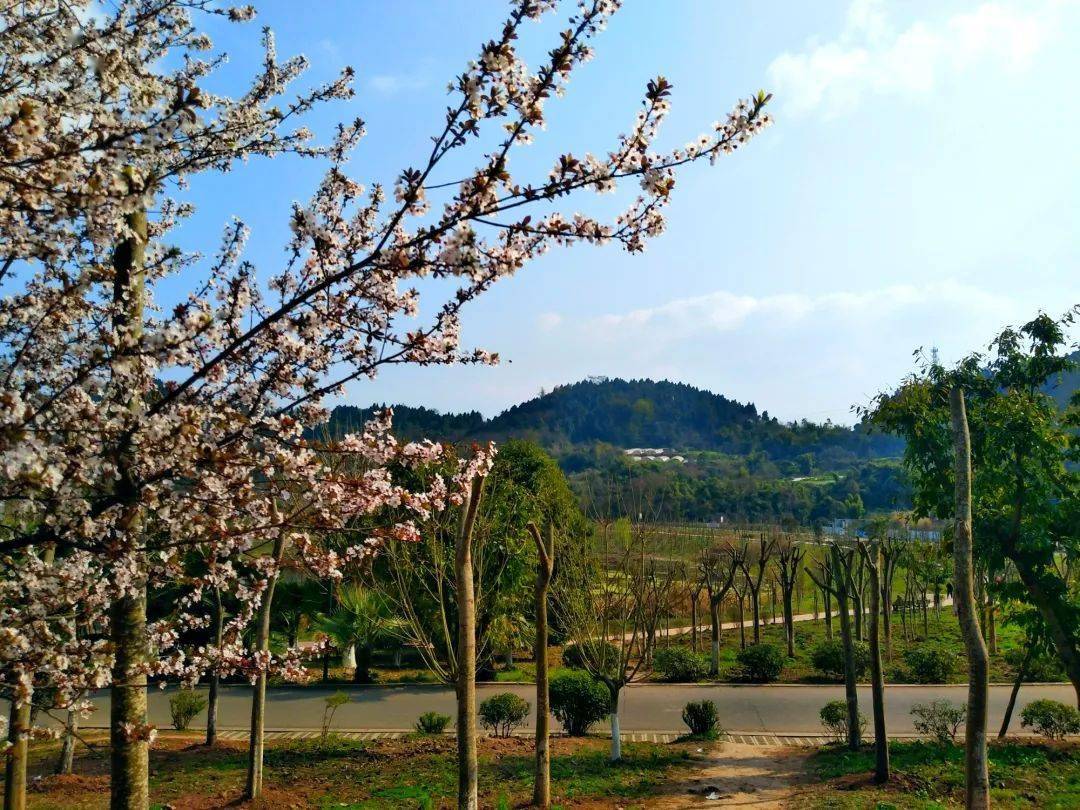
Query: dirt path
point(736, 775)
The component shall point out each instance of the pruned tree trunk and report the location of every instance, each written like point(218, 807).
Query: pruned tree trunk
point(851, 693)
point(1021, 672)
point(789, 623)
point(215, 677)
point(877, 678)
point(15, 767)
point(976, 770)
point(616, 730)
point(714, 620)
point(545, 566)
point(466, 654)
point(66, 760)
point(256, 741)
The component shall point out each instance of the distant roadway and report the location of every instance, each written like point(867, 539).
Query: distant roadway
point(779, 709)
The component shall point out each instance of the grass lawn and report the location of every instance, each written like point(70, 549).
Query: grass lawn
point(928, 775)
point(412, 772)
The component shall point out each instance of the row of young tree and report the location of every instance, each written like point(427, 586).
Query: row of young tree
point(988, 446)
point(154, 403)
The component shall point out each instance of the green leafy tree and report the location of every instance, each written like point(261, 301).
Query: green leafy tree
point(1025, 504)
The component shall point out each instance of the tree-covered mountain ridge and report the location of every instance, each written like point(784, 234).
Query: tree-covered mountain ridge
point(633, 414)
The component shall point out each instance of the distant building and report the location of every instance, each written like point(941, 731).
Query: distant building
point(857, 527)
point(652, 454)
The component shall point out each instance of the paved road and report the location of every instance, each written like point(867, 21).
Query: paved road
point(652, 707)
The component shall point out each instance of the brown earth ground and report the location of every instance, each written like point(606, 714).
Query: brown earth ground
point(736, 775)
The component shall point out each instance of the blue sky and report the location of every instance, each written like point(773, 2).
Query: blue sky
point(921, 187)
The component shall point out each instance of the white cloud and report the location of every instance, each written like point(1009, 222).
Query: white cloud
point(391, 84)
point(547, 321)
point(872, 56)
point(723, 311)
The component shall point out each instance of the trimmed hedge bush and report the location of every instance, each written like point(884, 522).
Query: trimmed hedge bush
point(679, 665)
point(828, 657)
point(761, 663)
point(834, 717)
point(432, 723)
point(578, 701)
point(702, 718)
point(183, 706)
point(930, 663)
point(503, 713)
point(1050, 718)
point(939, 718)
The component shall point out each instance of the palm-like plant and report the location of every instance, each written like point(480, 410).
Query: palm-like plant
point(362, 620)
point(509, 632)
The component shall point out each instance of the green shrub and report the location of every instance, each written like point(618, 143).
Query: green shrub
point(834, 717)
point(680, 665)
point(1040, 668)
point(503, 713)
point(761, 663)
point(828, 657)
point(702, 718)
point(939, 718)
point(599, 653)
point(183, 706)
point(930, 663)
point(432, 723)
point(1050, 718)
point(578, 701)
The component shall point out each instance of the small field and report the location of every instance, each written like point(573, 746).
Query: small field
point(929, 776)
point(414, 772)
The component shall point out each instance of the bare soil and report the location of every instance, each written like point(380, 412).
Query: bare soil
point(736, 775)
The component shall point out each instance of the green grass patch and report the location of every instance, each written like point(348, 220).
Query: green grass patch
point(929, 775)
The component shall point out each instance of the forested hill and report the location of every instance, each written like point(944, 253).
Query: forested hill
point(1063, 389)
point(637, 413)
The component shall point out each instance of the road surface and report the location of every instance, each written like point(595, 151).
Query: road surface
point(645, 707)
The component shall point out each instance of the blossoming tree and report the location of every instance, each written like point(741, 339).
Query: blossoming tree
point(137, 430)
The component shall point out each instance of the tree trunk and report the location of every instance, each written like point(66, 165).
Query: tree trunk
point(714, 619)
point(362, 671)
point(256, 742)
point(466, 655)
point(742, 625)
point(877, 678)
point(1020, 673)
point(851, 693)
point(886, 616)
point(827, 599)
point(128, 744)
point(66, 761)
point(215, 677)
point(129, 747)
point(15, 768)
point(991, 626)
point(616, 730)
point(977, 776)
point(544, 569)
point(693, 622)
point(1058, 617)
point(755, 604)
point(789, 623)
point(857, 610)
